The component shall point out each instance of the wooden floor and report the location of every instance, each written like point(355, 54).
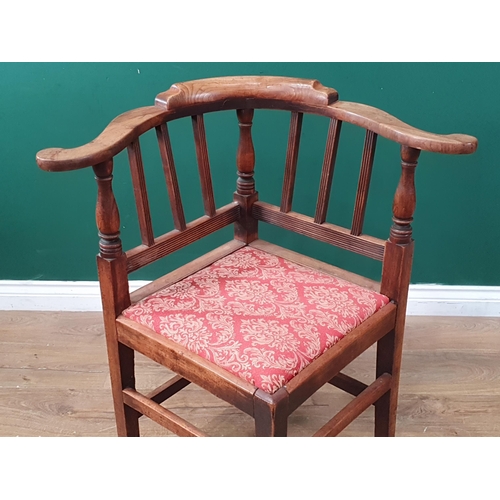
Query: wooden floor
point(54, 382)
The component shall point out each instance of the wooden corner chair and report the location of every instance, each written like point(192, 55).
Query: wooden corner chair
point(257, 325)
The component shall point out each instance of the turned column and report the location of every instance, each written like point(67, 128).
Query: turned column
point(113, 278)
point(396, 269)
point(107, 216)
point(396, 274)
point(111, 261)
point(405, 198)
point(246, 227)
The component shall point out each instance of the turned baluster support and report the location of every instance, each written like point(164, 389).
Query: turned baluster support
point(396, 274)
point(245, 158)
point(246, 226)
point(405, 198)
point(112, 270)
point(107, 216)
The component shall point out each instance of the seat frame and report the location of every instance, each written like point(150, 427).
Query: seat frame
point(385, 327)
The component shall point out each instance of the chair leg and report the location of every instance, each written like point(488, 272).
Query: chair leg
point(121, 368)
point(271, 413)
point(389, 353)
point(115, 298)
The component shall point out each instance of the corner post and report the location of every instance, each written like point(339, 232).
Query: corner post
point(396, 274)
point(113, 278)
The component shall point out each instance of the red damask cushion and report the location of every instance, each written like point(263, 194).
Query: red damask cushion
point(256, 315)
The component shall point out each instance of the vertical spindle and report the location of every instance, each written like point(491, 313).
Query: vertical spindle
point(140, 192)
point(167, 160)
point(325, 186)
point(292, 155)
point(203, 164)
point(364, 183)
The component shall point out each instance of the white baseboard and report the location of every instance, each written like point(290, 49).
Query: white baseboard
point(424, 300)
point(447, 300)
point(53, 295)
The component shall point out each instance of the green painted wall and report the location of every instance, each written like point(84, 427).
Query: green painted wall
point(47, 225)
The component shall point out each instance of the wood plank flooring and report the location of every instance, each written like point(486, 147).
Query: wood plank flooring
point(54, 382)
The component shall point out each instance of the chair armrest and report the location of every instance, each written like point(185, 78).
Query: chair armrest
point(182, 98)
point(388, 126)
point(115, 137)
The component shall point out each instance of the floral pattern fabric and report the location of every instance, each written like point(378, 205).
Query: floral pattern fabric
point(257, 315)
